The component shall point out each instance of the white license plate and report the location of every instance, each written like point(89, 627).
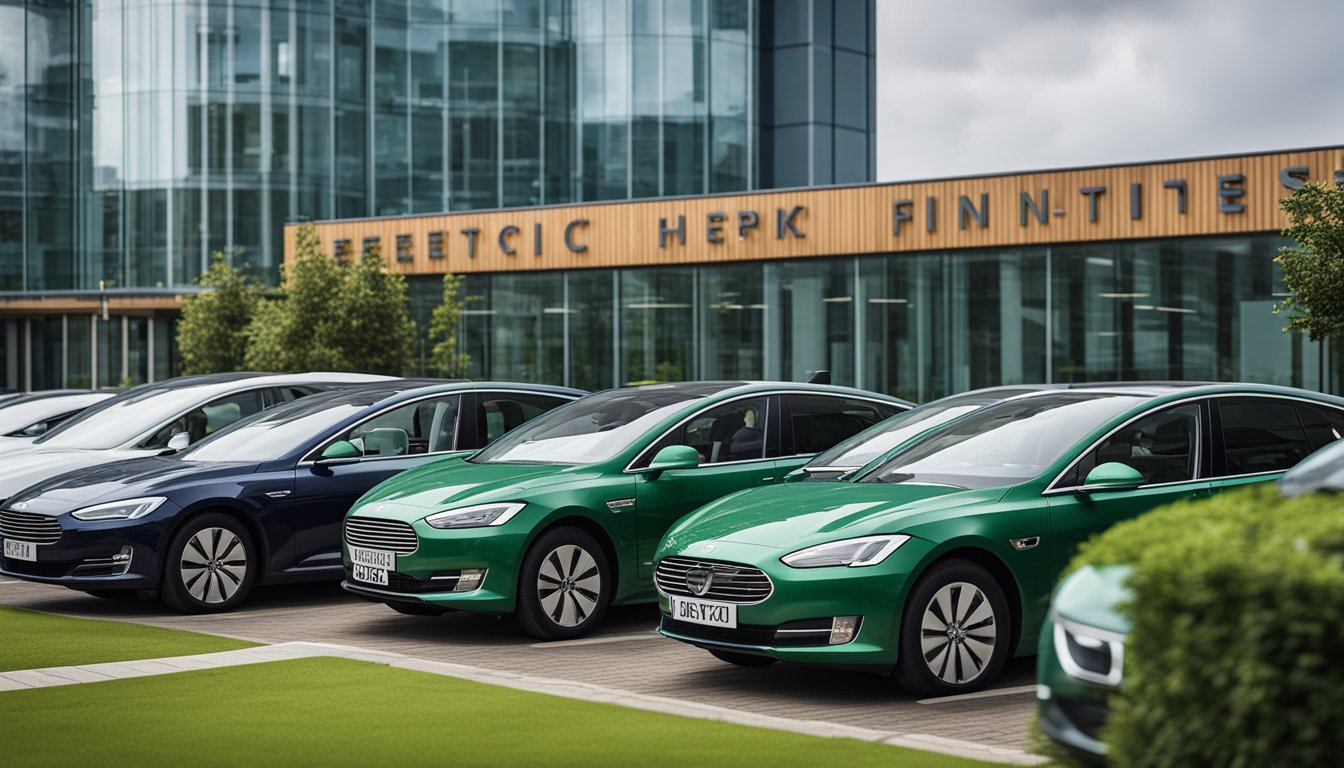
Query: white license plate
point(369, 575)
point(703, 611)
point(21, 550)
point(371, 565)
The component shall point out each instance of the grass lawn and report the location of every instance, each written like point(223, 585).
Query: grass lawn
point(32, 640)
point(325, 712)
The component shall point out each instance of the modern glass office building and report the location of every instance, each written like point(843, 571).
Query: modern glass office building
point(138, 137)
point(1156, 271)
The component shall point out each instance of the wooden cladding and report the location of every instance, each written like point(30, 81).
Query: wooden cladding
point(1226, 195)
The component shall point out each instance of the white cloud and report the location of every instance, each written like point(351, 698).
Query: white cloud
point(983, 86)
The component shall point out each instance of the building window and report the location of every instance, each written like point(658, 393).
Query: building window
point(404, 250)
point(371, 246)
point(341, 250)
point(436, 245)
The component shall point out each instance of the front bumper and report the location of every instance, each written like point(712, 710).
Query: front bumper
point(91, 555)
point(426, 576)
point(1071, 712)
point(787, 625)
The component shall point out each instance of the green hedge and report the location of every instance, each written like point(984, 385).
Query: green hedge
point(1236, 657)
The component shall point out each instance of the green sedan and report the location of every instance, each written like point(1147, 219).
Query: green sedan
point(560, 518)
point(935, 559)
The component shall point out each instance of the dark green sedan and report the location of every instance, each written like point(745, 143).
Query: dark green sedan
point(935, 559)
point(559, 519)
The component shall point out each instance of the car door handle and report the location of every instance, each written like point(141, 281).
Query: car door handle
point(767, 479)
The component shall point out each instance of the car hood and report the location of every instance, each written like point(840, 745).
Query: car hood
point(457, 483)
point(1092, 595)
point(36, 465)
point(119, 480)
point(795, 515)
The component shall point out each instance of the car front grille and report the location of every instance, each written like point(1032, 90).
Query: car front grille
point(729, 583)
point(24, 526)
point(48, 569)
point(390, 535)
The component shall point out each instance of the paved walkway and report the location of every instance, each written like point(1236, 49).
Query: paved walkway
point(625, 658)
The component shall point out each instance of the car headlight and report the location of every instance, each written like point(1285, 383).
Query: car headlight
point(854, 553)
point(130, 509)
point(476, 517)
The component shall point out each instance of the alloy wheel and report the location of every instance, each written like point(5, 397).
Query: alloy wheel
point(569, 585)
point(958, 633)
point(214, 565)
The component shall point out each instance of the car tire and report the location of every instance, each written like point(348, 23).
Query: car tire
point(743, 659)
point(210, 566)
point(415, 609)
point(955, 631)
point(564, 585)
point(118, 595)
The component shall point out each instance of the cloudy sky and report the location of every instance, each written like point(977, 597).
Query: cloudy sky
point(979, 86)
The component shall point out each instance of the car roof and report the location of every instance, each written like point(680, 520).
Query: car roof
point(1147, 389)
point(387, 392)
point(708, 388)
point(49, 394)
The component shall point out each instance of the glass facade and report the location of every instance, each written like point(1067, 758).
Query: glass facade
point(140, 136)
point(918, 325)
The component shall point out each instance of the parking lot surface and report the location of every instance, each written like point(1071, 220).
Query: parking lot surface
point(624, 654)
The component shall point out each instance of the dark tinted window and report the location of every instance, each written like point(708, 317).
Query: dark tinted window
point(819, 421)
point(1164, 446)
point(1261, 435)
point(1321, 431)
point(730, 432)
point(497, 414)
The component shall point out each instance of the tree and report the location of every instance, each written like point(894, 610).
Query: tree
point(369, 322)
point(212, 334)
point(1313, 268)
point(333, 316)
point(444, 357)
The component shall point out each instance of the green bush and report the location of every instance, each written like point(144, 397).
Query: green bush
point(1236, 656)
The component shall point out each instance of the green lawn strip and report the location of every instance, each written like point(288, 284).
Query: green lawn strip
point(30, 640)
point(325, 711)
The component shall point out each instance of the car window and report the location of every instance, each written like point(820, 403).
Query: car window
point(288, 394)
point(425, 426)
point(1321, 428)
point(1261, 435)
point(591, 429)
point(1002, 444)
point(1162, 446)
point(207, 419)
point(497, 414)
point(819, 422)
point(733, 431)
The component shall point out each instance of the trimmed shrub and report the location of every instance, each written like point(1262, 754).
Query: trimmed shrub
point(1236, 656)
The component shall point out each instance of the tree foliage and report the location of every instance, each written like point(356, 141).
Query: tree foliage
point(445, 357)
point(212, 334)
point(332, 316)
point(1313, 268)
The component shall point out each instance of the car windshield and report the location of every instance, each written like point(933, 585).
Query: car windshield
point(586, 431)
point(113, 422)
point(871, 443)
point(278, 432)
point(1003, 444)
point(19, 416)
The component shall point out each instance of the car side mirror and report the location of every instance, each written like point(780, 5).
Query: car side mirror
point(179, 441)
point(672, 457)
point(339, 452)
point(1112, 476)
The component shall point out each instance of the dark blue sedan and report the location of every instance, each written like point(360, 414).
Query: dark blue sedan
point(260, 502)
